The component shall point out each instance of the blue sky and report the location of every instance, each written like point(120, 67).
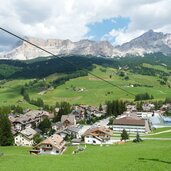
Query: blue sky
point(99, 29)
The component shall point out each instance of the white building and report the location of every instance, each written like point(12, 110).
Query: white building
point(131, 124)
point(98, 135)
point(55, 145)
point(25, 137)
point(146, 115)
point(131, 108)
point(148, 107)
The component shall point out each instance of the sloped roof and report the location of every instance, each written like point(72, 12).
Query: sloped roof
point(70, 118)
point(30, 116)
point(28, 132)
point(73, 129)
point(129, 121)
point(101, 129)
point(54, 140)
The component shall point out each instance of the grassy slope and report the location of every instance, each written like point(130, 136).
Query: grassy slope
point(162, 135)
point(157, 67)
point(10, 93)
point(148, 155)
point(96, 89)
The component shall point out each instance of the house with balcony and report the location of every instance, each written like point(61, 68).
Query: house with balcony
point(68, 120)
point(55, 145)
point(31, 119)
point(25, 137)
point(98, 135)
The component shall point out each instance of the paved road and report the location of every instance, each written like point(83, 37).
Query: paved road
point(131, 138)
point(160, 132)
point(163, 139)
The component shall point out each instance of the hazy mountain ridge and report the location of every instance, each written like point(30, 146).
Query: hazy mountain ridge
point(149, 42)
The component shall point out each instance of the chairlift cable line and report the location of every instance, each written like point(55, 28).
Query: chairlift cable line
point(66, 61)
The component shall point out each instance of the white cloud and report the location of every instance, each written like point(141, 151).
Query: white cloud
point(122, 35)
point(68, 19)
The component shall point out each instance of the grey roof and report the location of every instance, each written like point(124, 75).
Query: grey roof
point(28, 132)
point(73, 129)
point(58, 124)
point(62, 131)
point(76, 111)
point(76, 140)
point(30, 116)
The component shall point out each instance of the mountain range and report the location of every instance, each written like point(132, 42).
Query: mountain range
point(149, 42)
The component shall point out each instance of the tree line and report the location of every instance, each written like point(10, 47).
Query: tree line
point(115, 107)
point(42, 68)
point(6, 136)
point(143, 96)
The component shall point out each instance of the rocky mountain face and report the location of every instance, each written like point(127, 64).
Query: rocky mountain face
point(149, 42)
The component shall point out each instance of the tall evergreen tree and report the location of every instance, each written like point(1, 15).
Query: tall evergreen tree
point(115, 107)
point(37, 138)
point(64, 109)
point(45, 125)
point(124, 135)
point(137, 138)
point(139, 106)
point(6, 136)
point(100, 107)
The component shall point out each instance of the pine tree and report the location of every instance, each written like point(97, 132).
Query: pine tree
point(137, 139)
point(65, 109)
point(124, 135)
point(139, 106)
point(40, 102)
point(100, 107)
point(6, 136)
point(37, 138)
point(26, 97)
point(115, 107)
point(45, 125)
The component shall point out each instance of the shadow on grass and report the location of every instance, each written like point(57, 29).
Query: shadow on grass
point(155, 160)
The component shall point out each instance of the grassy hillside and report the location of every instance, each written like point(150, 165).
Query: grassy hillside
point(97, 91)
point(10, 93)
point(148, 155)
point(56, 81)
point(94, 91)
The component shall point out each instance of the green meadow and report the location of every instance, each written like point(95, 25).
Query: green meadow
point(146, 156)
point(95, 90)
